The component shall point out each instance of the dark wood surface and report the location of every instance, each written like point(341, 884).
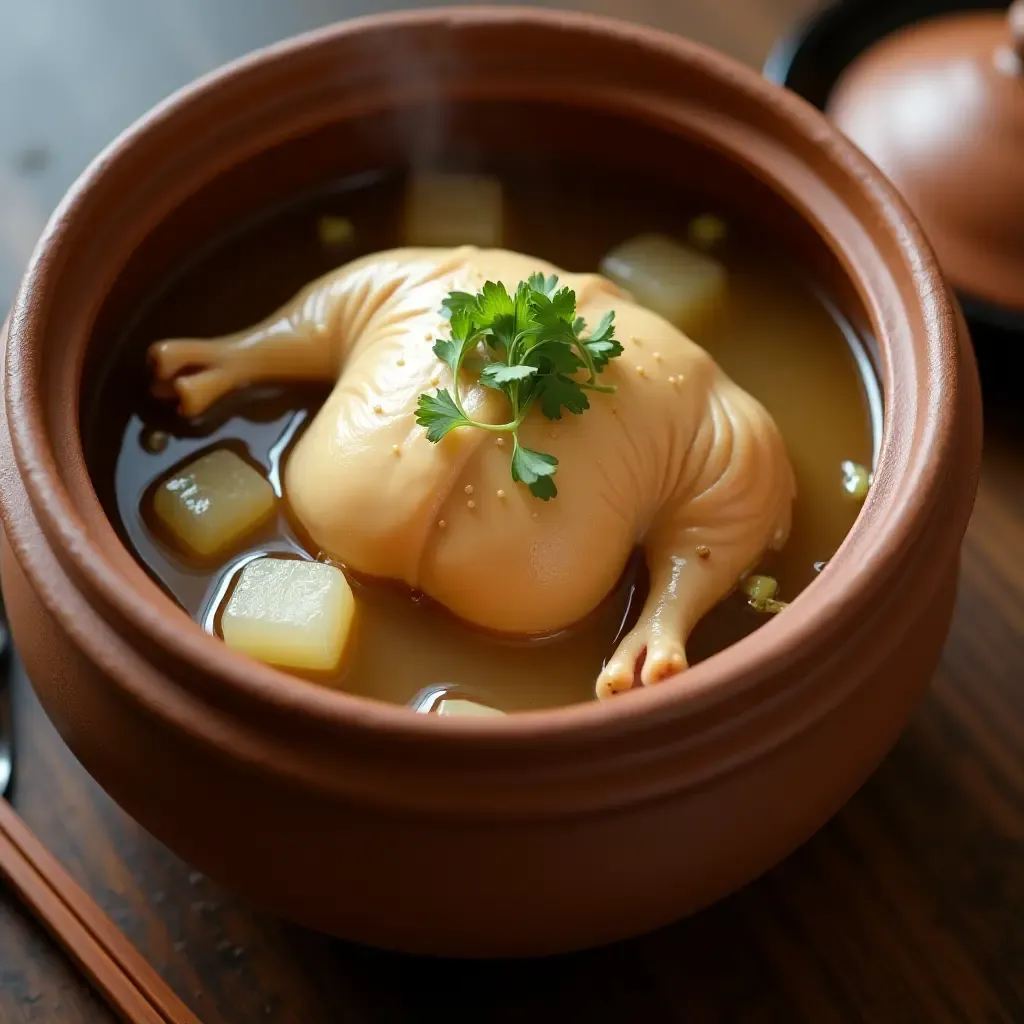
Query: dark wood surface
point(909, 906)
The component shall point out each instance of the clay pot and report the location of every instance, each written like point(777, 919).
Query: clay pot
point(544, 831)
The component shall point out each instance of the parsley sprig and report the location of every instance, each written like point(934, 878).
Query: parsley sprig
point(534, 351)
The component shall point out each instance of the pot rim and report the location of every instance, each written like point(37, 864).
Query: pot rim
point(895, 511)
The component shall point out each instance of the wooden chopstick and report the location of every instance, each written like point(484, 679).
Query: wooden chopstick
point(121, 974)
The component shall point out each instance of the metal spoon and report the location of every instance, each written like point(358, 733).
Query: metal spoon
point(6, 716)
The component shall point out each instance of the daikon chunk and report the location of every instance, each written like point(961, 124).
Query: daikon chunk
point(674, 281)
point(454, 209)
point(457, 706)
point(290, 613)
point(210, 504)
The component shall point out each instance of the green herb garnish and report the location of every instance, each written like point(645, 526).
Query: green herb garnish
point(856, 479)
point(761, 591)
point(534, 350)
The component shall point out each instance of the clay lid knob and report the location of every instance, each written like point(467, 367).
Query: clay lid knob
point(939, 106)
point(1016, 18)
point(1010, 58)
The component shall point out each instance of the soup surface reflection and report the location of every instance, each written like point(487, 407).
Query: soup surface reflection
point(773, 334)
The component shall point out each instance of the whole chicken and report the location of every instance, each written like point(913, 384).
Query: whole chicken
point(679, 460)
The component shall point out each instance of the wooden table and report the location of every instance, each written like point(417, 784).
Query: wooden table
point(908, 907)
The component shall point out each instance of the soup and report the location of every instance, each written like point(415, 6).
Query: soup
point(772, 332)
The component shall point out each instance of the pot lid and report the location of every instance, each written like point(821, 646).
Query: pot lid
point(939, 107)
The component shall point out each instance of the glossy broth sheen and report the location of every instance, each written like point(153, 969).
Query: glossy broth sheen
point(775, 337)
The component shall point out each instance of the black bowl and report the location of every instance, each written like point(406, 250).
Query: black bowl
point(810, 59)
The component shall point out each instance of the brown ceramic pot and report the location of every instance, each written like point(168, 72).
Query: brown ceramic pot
point(544, 831)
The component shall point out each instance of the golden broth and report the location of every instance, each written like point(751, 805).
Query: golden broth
point(775, 336)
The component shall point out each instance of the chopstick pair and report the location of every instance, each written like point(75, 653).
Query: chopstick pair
point(131, 987)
